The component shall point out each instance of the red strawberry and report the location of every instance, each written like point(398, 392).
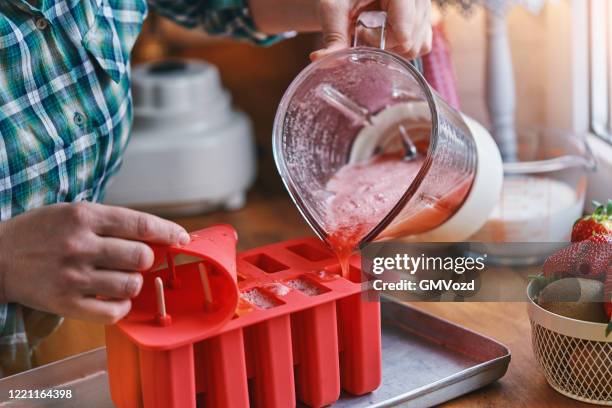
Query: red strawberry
point(601, 238)
point(594, 259)
point(561, 263)
point(591, 258)
point(598, 223)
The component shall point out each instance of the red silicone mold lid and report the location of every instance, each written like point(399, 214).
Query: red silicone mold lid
point(184, 292)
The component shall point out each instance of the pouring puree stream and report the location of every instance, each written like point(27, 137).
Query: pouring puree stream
point(364, 193)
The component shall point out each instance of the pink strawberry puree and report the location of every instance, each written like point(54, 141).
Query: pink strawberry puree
point(364, 193)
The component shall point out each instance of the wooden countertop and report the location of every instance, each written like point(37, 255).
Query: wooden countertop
point(271, 219)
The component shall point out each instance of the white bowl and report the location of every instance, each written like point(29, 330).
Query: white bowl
point(575, 355)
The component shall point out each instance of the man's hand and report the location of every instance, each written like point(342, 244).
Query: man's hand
point(408, 24)
point(80, 260)
point(409, 30)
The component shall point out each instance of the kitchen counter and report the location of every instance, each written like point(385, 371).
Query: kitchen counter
point(271, 219)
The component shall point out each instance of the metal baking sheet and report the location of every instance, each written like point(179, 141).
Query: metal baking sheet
point(426, 361)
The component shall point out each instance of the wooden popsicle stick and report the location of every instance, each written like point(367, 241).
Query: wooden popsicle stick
point(161, 301)
point(208, 298)
point(163, 318)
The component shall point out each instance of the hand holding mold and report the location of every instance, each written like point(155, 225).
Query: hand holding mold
point(80, 260)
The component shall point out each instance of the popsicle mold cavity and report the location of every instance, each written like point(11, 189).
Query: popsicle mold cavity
point(310, 253)
point(266, 263)
point(260, 299)
point(306, 286)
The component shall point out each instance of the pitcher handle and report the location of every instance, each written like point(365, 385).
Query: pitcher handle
point(370, 26)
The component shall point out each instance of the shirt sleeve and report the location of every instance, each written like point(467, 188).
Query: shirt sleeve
point(217, 17)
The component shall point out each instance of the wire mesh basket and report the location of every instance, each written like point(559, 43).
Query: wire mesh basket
point(575, 355)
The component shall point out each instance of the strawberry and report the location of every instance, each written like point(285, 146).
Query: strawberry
point(601, 239)
point(591, 258)
point(561, 263)
point(594, 259)
point(598, 223)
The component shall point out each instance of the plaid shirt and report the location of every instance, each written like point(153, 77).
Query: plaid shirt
point(66, 112)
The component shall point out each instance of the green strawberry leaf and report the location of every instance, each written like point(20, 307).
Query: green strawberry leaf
point(602, 212)
point(609, 329)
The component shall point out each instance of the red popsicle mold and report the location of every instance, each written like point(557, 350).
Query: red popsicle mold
point(291, 328)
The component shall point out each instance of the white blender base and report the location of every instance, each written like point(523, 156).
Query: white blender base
point(186, 173)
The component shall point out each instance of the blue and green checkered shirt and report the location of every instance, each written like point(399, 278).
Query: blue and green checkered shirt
point(66, 111)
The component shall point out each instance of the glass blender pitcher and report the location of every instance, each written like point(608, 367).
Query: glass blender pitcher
point(437, 176)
